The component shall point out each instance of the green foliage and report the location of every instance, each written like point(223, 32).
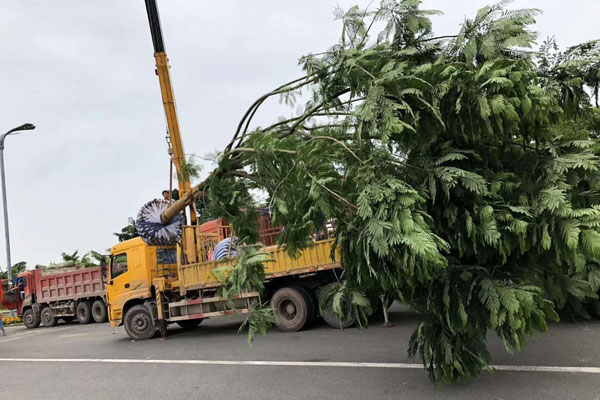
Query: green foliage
point(188, 170)
point(247, 275)
point(460, 173)
point(74, 257)
point(345, 299)
point(127, 232)
point(229, 198)
point(16, 270)
point(88, 260)
point(259, 319)
point(459, 306)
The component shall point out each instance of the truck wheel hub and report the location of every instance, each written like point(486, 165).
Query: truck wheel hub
point(141, 322)
point(288, 308)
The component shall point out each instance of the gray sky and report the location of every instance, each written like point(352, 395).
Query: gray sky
point(83, 73)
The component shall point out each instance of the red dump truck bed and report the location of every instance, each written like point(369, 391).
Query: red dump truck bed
point(59, 294)
point(68, 285)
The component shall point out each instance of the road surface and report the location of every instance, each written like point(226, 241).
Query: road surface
point(72, 361)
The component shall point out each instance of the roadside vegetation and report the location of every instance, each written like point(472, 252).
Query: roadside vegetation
point(460, 172)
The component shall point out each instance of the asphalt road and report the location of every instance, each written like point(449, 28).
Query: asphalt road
point(315, 377)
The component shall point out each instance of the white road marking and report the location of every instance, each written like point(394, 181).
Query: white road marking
point(518, 368)
point(535, 368)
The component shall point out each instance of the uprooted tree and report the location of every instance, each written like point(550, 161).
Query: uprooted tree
point(461, 173)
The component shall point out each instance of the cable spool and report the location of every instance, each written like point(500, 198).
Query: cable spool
point(152, 230)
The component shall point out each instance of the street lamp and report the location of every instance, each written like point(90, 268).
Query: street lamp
point(14, 131)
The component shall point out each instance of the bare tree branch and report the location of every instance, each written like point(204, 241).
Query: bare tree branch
point(309, 113)
point(251, 150)
point(314, 137)
point(284, 87)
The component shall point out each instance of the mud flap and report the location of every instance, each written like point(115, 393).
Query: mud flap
point(37, 312)
point(160, 325)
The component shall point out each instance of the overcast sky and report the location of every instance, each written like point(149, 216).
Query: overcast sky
point(83, 73)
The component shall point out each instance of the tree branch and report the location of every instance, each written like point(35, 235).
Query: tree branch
point(251, 150)
point(313, 137)
point(334, 194)
point(438, 38)
point(309, 113)
point(246, 175)
point(259, 101)
point(367, 72)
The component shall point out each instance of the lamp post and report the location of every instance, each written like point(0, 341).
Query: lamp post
point(14, 131)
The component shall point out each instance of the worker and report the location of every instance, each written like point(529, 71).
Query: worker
point(21, 288)
point(167, 196)
point(2, 326)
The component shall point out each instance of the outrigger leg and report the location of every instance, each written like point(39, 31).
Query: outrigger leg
point(386, 320)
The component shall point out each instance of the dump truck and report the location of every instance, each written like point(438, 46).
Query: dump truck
point(153, 284)
point(41, 296)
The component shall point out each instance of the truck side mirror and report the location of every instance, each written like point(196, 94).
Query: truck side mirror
point(110, 282)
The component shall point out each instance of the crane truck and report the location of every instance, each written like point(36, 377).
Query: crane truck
point(151, 286)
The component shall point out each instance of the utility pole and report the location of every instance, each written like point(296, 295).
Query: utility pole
point(14, 131)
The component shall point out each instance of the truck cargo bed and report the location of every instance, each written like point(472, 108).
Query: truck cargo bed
point(73, 284)
point(312, 259)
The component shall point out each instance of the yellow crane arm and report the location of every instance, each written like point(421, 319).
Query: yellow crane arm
point(168, 98)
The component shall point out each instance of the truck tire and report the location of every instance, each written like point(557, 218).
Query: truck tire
point(189, 323)
point(291, 309)
point(83, 311)
point(99, 311)
point(29, 319)
point(139, 324)
point(332, 320)
point(311, 302)
point(48, 318)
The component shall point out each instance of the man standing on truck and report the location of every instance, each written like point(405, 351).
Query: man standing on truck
point(167, 196)
point(21, 288)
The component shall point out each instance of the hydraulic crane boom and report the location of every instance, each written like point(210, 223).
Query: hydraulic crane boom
point(166, 88)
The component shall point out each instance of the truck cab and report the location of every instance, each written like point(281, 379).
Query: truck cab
point(25, 289)
point(133, 267)
point(20, 294)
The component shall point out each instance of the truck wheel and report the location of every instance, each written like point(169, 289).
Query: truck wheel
point(29, 319)
point(311, 303)
point(291, 309)
point(189, 323)
point(139, 324)
point(332, 320)
point(48, 318)
point(99, 311)
point(83, 311)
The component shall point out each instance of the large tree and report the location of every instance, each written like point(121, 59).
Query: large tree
point(461, 173)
